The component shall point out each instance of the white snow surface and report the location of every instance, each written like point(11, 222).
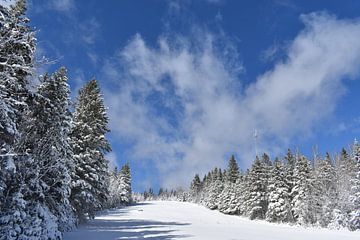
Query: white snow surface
point(163, 220)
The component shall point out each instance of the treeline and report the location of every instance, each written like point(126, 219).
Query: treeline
point(53, 171)
point(164, 194)
point(324, 192)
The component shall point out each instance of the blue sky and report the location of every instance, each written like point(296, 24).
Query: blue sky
point(187, 82)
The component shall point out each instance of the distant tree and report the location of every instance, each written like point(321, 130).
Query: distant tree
point(214, 190)
point(233, 170)
point(325, 183)
point(195, 188)
point(345, 171)
point(257, 189)
point(125, 185)
point(354, 222)
point(279, 209)
point(301, 192)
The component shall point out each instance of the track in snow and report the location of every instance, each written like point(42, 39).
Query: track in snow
point(162, 220)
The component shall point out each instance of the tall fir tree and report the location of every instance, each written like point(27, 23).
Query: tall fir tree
point(256, 201)
point(125, 185)
point(301, 191)
point(22, 215)
point(89, 180)
point(233, 170)
point(354, 222)
point(324, 191)
point(279, 209)
point(214, 190)
point(345, 172)
point(195, 189)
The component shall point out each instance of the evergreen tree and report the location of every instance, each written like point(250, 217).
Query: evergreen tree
point(228, 199)
point(214, 190)
point(114, 189)
point(22, 214)
point(354, 222)
point(17, 53)
point(195, 189)
point(289, 171)
point(233, 170)
point(279, 209)
point(256, 201)
point(89, 180)
point(325, 184)
point(301, 191)
point(345, 171)
point(125, 185)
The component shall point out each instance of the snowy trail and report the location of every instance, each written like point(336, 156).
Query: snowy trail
point(163, 220)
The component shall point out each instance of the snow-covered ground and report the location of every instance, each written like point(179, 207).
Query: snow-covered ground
point(163, 220)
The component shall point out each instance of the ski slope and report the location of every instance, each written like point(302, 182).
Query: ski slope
point(161, 220)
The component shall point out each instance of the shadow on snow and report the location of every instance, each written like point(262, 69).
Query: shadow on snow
point(106, 229)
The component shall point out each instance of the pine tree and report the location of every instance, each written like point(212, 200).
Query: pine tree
point(233, 170)
point(325, 185)
point(125, 185)
point(45, 135)
point(345, 171)
point(214, 190)
point(114, 189)
point(229, 198)
point(256, 201)
point(22, 215)
point(17, 53)
point(89, 184)
point(279, 209)
point(301, 192)
point(289, 171)
point(354, 222)
point(195, 189)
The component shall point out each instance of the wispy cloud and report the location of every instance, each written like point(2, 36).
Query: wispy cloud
point(62, 5)
point(181, 105)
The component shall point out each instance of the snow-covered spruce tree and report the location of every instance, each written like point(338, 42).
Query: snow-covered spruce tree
point(114, 189)
point(256, 202)
point(243, 194)
point(233, 170)
point(22, 215)
point(289, 165)
point(279, 209)
point(214, 190)
point(345, 171)
point(324, 191)
point(354, 222)
point(301, 192)
point(228, 198)
point(17, 53)
point(125, 185)
point(205, 188)
point(195, 189)
point(44, 135)
point(89, 180)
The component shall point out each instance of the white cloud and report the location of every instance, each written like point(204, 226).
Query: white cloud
point(206, 113)
point(62, 5)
